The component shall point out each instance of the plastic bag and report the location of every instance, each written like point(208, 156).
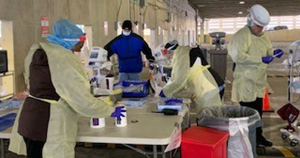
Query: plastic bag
point(236, 120)
point(133, 88)
point(14, 104)
point(288, 112)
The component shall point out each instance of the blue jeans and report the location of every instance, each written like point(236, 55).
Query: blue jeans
point(129, 76)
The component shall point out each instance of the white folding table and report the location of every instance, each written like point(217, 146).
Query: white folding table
point(144, 128)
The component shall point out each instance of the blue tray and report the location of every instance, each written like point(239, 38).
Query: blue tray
point(7, 121)
point(127, 83)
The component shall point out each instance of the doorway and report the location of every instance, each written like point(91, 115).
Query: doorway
point(7, 82)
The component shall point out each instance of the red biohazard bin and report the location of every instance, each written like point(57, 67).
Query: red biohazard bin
point(202, 142)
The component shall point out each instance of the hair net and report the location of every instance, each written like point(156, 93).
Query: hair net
point(172, 45)
point(259, 15)
point(66, 34)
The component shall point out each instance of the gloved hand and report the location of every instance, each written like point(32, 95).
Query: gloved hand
point(118, 112)
point(161, 94)
point(151, 66)
point(267, 60)
point(278, 53)
point(173, 101)
point(151, 60)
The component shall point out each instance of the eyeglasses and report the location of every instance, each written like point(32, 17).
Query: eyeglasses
point(80, 39)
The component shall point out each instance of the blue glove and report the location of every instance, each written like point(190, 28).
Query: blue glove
point(161, 94)
point(151, 67)
point(267, 60)
point(278, 53)
point(173, 101)
point(118, 112)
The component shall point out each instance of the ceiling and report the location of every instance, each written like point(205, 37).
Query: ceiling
point(231, 8)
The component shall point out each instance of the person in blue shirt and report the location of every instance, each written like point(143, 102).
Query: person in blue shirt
point(128, 46)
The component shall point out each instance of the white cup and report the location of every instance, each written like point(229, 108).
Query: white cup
point(97, 122)
point(123, 121)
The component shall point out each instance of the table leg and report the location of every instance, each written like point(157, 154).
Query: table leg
point(189, 117)
point(2, 149)
point(154, 151)
point(163, 151)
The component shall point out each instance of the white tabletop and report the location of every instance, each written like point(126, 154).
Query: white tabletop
point(150, 128)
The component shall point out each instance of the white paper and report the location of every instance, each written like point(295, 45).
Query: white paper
point(175, 141)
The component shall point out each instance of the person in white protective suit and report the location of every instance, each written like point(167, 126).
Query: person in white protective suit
point(46, 125)
point(252, 51)
point(195, 79)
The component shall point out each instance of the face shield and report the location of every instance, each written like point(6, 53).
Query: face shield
point(258, 16)
point(105, 68)
point(169, 52)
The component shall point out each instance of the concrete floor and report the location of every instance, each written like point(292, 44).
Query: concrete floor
point(272, 122)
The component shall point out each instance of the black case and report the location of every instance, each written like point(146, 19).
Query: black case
point(3, 61)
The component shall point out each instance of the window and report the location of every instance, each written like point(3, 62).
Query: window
point(232, 25)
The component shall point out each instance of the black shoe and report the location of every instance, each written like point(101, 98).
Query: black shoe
point(263, 141)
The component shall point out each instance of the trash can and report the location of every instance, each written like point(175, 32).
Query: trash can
point(218, 61)
point(240, 122)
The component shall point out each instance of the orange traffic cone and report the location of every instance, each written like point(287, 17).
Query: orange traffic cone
point(266, 102)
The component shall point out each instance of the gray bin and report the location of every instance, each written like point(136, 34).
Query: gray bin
point(252, 135)
point(218, 117)
point(218, 61)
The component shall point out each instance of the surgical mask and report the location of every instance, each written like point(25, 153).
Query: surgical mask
point(126, 33)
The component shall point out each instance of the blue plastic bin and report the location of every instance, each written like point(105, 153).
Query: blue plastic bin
point(7, 121)
point(127, 83)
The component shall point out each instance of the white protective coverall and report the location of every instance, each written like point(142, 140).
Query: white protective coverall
point(71, 84)
point(197, 80)
point(250, 78)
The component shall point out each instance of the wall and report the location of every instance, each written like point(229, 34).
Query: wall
point(284, 35)
point(25, 16)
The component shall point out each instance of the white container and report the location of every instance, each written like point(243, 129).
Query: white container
point(123, 121)
point(97, 122)
point(108, 83)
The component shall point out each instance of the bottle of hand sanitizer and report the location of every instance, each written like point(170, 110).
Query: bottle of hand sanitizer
point(123, 121)
point(97, 122)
